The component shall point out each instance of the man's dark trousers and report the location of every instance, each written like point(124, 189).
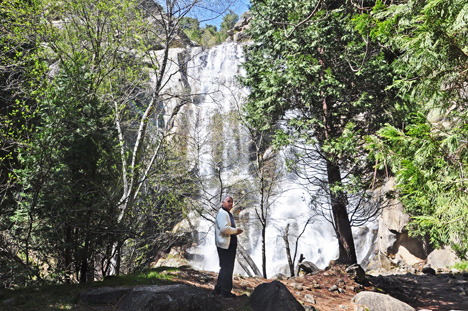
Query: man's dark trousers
point(226, 262)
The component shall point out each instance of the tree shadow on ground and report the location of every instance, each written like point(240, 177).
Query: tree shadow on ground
point(432, 292)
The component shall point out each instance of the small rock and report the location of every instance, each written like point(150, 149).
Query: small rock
point(333, 288)
point(298, 286)
point(279, 277)
point(309, 298)
point(428, 270)
point(308, 267)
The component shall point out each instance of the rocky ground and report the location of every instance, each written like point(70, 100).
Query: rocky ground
point(333, 289)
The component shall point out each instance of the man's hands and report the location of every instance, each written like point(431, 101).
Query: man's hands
point(239, 231)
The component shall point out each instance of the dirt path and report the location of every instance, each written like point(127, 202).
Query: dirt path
point(333, 289)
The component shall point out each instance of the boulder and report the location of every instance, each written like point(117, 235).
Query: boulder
point(243, 21)
point(273, 296)
point(393, 240)
point(308, 267)
point(103, 295)
point(152, 298)
point(404, 257)
point(279, 277)
point(380, 302)
point(357, 273)
point(442, 258)
point(427, 269)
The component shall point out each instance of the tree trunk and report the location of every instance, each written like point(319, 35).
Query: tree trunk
point(246, 269)
point(342, 226)
point(249, 260)
point(288, 250)
point(67, 254)
point(264, 250)
point(84, 262)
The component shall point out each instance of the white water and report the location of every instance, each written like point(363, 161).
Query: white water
point(212, 74)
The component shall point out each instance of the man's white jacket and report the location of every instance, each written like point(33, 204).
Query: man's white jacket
point(223, 229)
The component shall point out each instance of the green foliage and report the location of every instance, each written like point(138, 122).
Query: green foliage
point(229, 21)
point(428, 156)
point(317, 75)
point(462, 266)
point(429, 39)
point(69, 175)
point(21, 76)
point(208, 36)
point(429, 162)
point(316, 72)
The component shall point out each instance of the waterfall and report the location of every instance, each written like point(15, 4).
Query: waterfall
point(218, 149)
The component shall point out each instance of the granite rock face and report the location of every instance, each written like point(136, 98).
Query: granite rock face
point(394, 247)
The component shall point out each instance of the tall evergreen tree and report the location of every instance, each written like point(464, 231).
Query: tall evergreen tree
point(323, 85)
point(428, 155)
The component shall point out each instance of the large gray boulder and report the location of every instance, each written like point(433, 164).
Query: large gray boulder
point(442, 258)
point(394, 246)
point(152, 298)
point(380, 302)
point(274, 296)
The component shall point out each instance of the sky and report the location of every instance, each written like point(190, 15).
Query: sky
point(239, 7)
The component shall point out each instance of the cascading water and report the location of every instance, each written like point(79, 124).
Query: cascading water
point(219, 150)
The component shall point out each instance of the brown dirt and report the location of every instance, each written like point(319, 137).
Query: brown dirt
point(441, 292)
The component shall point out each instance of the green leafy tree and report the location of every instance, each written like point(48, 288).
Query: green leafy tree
point(314, 75)
point(229, 21)
point(191, 27)
point(209, 35)
point(68, 176)
point(428, 155)
point(118, 43)
point(20, 76)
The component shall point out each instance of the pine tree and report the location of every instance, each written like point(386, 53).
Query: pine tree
point(322, 85)
point(428, 155)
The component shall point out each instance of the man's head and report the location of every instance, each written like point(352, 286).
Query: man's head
point(227, 203)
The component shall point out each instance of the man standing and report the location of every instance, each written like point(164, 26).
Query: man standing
point(226, 243)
